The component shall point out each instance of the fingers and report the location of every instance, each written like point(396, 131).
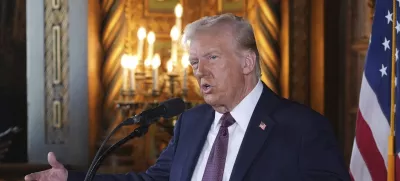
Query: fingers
point(53, 161)
point(33, 176)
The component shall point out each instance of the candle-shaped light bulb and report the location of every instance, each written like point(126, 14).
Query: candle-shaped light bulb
point(170, 66)
point(129, 61)
point(129, 64)
point(133, 60)
point(124, 61)
point(174, 44)
point(155, 63)
point(147, 62)
point(178, 20)
point(125, 72)
point(174, 33)
point(151, 37)
point(141, 34)
point(185, 60)
point(178, 10)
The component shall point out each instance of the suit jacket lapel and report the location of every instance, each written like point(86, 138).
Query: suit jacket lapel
point(255, 137)
point(199, 131)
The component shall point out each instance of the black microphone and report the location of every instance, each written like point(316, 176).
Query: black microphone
point(167, 109)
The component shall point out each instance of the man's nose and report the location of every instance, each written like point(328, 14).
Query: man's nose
point(201, 69)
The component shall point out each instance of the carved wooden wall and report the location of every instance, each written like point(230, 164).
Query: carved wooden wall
point(345, 30)
point(358, 28)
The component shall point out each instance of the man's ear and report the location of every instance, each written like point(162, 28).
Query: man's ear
point(249, 64)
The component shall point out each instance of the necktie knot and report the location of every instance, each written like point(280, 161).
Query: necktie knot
point(227, 120)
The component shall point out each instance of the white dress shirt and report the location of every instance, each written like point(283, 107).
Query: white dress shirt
point(242, 114)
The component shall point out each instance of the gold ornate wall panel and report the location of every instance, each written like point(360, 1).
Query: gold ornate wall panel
point(266, 23)
point(56, 67)
point(113, 40)
point(95, 61)
point(251, 9)
point(284, 49)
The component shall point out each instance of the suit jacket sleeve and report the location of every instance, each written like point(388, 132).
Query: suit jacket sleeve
point(320, 158)
point(158, 172)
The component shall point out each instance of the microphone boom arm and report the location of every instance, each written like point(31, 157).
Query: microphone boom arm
point(138, 132)
point(169, 108)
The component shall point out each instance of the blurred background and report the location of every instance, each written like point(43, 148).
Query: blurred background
point(70, 71)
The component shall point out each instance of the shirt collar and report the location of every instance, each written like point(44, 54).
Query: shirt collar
point(243, 111)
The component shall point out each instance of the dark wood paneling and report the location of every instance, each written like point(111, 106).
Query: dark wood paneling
point(13, 75)
point(333, 68)
point(356, 23)
point(299, 13)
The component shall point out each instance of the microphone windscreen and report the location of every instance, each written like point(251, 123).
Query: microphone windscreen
point(173, 107)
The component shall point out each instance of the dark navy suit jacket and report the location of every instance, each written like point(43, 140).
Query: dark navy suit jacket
point(297, 144)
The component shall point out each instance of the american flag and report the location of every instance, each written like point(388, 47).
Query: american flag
point(262, 125)
point(369, 160)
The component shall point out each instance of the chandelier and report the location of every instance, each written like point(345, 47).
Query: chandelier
point(144, 85)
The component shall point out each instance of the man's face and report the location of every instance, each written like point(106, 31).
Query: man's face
point(217, 66)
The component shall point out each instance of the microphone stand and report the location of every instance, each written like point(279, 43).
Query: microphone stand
point(101, 148)
point(138, 132)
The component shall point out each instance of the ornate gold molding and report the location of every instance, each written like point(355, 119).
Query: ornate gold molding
point(57, 70)
point(264, 17)
point(113, 35)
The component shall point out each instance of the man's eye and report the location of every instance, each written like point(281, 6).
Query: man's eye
point(193, 62)
point(213, 57)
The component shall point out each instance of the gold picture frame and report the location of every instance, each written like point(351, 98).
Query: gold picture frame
point(160, 8)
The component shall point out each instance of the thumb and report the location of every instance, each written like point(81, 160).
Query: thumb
point(53, 161)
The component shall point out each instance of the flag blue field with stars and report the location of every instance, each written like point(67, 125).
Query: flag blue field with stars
point(370, 149)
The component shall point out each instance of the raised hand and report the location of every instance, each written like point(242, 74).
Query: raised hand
point(56, 173)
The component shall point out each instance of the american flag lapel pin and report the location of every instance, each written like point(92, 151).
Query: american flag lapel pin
point(262, 125)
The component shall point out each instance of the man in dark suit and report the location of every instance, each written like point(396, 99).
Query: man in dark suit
point(245, 132)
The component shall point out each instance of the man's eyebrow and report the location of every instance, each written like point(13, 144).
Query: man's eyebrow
point(210, 52)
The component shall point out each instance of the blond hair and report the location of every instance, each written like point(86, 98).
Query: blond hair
point(241, 30)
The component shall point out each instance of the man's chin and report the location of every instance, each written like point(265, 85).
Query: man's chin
point(209, 99)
